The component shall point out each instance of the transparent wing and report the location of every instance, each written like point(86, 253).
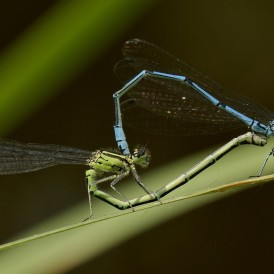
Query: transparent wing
point(16, 157)
point(165, 100)
point(148, 108)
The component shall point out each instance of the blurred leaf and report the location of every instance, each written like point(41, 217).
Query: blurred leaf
point(67, 37)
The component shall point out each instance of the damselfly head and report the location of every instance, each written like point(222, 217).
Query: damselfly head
point(141, 156)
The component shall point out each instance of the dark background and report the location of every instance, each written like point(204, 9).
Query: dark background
point(232, 42)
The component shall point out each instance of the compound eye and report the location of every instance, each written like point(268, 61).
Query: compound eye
point(135, 152)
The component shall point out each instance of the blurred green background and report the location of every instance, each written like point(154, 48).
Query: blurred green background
point(56, 85)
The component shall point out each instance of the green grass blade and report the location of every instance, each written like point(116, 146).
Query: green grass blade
point(70, 35)
point(210, 190)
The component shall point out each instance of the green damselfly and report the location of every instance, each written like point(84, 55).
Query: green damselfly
point(103, 166)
